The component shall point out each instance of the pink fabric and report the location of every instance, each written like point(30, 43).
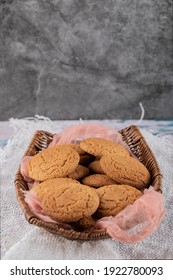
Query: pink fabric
point(76, 133)
point(33, 202)
point(32, 184)
point(136, 221)
point(23, 168)
point(24, 172)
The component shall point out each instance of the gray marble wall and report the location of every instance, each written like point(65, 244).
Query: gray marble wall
point(67, 59)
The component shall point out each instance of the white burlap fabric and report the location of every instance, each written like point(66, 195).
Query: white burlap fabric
point(20, 240)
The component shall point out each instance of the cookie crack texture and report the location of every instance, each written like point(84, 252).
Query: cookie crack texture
point(126, 170)
point(100, 146)
point(64, 162)
point(115, 198)
point(53, 162)
point(43, 159)
point(66, 200)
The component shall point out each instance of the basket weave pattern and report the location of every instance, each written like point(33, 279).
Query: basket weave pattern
point(136, 142)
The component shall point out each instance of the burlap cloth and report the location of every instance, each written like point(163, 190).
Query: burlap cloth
point(20, 240)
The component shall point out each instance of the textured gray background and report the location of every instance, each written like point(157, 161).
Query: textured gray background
point(67, 59)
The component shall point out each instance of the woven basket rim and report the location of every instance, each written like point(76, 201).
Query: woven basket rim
point(41, 139)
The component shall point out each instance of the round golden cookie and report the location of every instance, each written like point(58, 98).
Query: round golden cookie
point(126, 170)
point(80, 172)
point(96, 167)
point(54, 162)
point(97, 180)
point(69, 202)
point(100, 146)
point(115, 198)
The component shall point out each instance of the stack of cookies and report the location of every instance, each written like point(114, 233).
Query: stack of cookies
point(80, 183)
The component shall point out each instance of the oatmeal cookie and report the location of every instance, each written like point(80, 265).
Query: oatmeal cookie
point(69, 202)
point(115, 198)
point(97, 180)
point(54, 162)
point(100, 146)
point(125, 170)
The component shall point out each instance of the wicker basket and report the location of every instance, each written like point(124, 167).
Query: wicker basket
point(131, 135)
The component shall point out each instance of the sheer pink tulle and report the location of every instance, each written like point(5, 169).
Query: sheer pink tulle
point(23, 168)
point(24, 172)
point(136, 221)
point(32, 184)
point(76, 133)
